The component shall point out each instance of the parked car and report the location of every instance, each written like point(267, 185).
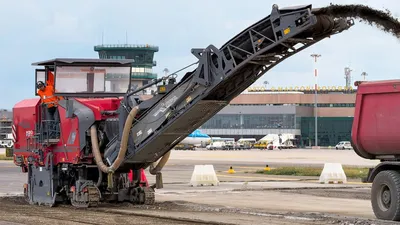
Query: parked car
point(216, 146)
point(344, 145)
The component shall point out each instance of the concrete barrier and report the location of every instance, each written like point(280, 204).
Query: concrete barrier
point(204, 175)
point(332, 173)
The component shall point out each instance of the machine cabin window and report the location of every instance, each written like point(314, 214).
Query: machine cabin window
point(91, 80)
point(39, 76)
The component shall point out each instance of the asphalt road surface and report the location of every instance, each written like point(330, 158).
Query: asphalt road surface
point(241, 198)
point(299, 157)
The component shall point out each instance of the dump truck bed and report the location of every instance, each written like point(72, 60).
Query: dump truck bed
point(376, 125)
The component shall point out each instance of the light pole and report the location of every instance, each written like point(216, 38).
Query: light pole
point(241, 124)
point(166, 71)
point(364, 74)
point(279, 133)
point(265, 84)
point(315, 56)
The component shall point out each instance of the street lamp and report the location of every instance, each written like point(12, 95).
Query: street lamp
point(315, 56)
point(364, 74)
point(279, 132)
point(166, 71)
point(265, 84)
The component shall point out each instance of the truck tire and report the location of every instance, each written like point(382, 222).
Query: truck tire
point(385, 195)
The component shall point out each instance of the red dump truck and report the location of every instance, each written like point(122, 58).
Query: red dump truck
point(376, 135)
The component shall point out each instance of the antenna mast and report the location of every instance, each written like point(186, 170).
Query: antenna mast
point(347, 76)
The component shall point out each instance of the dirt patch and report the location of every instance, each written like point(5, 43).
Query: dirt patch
point(15, 209)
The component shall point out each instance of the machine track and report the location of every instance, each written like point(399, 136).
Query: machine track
point(93, 195)
point(149, 196)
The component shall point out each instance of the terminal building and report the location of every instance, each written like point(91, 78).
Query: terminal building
point(258, 112)
point(5, 124)
point(142, 67)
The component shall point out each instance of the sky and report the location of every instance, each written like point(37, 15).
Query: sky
point(38, 30)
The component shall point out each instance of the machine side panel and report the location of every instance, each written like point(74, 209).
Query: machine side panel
point(85, 117)
point(111, 127)
point(99, 105)
point(68, 148)
point(25, 115)
point(40, 185)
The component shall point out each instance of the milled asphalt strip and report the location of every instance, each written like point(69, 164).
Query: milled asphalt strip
point(250, 189)
point(154, 215)
point(243, 188)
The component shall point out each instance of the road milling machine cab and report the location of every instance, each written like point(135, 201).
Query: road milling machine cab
point(108, 129)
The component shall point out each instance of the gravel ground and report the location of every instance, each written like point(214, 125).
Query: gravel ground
point(14, 209)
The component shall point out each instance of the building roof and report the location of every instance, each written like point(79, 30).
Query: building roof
point(91, 61)
point(293, 98)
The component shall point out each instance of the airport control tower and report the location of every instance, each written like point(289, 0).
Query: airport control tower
point(142, 68)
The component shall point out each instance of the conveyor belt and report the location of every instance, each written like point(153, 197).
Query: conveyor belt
point(224, 73)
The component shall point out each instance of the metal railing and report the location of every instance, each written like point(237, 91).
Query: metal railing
point(49, 129)
point(144, 75)
point(152, 47)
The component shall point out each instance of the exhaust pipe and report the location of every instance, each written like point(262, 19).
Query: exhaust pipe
point(123, 146)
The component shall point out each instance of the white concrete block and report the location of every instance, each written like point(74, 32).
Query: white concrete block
point(333, 173)
point(3, 151)
point(204, 175)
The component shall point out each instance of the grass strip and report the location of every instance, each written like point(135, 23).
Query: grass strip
point(351, 172)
